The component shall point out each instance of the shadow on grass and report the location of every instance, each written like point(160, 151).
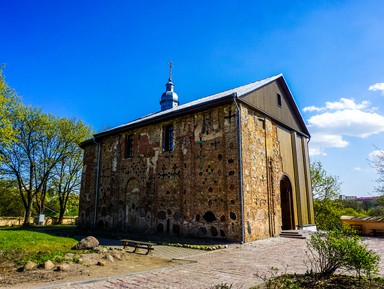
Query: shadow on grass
point(112, 238)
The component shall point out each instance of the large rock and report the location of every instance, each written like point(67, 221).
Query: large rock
point(89, 242)
point(63, 267)
point(48, 265)
point(30, 265)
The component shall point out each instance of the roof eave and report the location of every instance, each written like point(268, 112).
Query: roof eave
point(164, 117)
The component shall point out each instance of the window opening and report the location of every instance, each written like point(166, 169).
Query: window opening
point(129, 146)
point(168, 138)
point(279, 99)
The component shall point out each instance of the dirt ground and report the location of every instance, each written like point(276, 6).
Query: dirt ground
point(102, 264)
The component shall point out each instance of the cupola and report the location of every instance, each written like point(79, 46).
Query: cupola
point(169, 98)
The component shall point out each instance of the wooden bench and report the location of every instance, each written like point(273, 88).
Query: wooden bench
point(137, 245)
point(377, 232)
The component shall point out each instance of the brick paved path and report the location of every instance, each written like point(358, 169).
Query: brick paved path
point(236, 265)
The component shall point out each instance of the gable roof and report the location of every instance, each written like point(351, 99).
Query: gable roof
point(224, 97)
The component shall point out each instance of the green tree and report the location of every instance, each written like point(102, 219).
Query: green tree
point(9, 101)
point(22, 155)
point(326, 191)
point(10, 203)
point(39, 145)
point(66, 175)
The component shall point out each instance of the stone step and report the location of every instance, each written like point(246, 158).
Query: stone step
point(292, 234)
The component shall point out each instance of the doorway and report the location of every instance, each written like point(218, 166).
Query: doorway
point(286, 204)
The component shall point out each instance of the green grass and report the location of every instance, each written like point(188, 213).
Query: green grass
point(18, 245)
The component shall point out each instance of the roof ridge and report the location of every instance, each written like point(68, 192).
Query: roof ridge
point(240, 91)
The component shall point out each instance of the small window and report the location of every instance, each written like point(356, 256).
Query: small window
point(129, 146)
point(168, 138)
point(279, 99)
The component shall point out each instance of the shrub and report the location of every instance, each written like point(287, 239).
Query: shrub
point(338, 249)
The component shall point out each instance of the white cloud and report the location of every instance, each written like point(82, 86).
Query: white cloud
point(343, 103)
point(320, 141)
point(350, 122)
point(312, 108)
point(316, 152)
point(363, 170)
point(377, 86)
point(346, 103)
point(344, 118)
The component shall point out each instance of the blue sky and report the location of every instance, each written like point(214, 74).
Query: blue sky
point(105, 62)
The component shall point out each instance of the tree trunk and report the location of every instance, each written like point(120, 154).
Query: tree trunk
point(61, 216)
point(62, 208)
point(28, 212)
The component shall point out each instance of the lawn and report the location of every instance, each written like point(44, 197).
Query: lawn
point(18, 245)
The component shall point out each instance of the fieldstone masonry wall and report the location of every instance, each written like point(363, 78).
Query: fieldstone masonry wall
point(262, 171)
point(192, 190)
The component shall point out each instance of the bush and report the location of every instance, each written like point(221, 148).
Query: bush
point(337, 249)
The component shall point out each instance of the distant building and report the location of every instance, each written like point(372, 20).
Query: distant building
point(355, 198)
point(232, 165)
point(344, 197)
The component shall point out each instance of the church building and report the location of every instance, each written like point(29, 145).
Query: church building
point(233, 165)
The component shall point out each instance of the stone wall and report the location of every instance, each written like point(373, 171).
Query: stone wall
point(262, 172)
point(18, 221)
point(192, 190)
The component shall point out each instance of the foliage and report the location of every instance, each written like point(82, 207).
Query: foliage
point(326, 189)
point(327, 214)
point(8, 103)
point(358, 206)
point(10, 203)
point(40, 153)
point(334, 282)
point(277, 281)
point(30, 157)
point(337, 249)
point(66, 175)
point(324, 186)
point(376, 211)
point(20, 245)
point(352, 212)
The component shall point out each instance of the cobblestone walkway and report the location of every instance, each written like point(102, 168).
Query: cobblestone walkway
point(236, 265)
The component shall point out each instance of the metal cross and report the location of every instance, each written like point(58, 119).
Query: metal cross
point(174, 174)
point(200, 142)
point(215, 143)
point(170, 70)
point(169, 157)
point(163, 175)
point(230, 115)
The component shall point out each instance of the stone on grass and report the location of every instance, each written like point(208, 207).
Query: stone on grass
point(30, 265)
point(101, 263)
point(109, 258)
point(89, 242)
point(69, 256)
point(117, 255)
point(63, 267)
point(48, 265)
point(100, 250)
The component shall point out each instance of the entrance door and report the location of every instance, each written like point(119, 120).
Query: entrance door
point(286, 204)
